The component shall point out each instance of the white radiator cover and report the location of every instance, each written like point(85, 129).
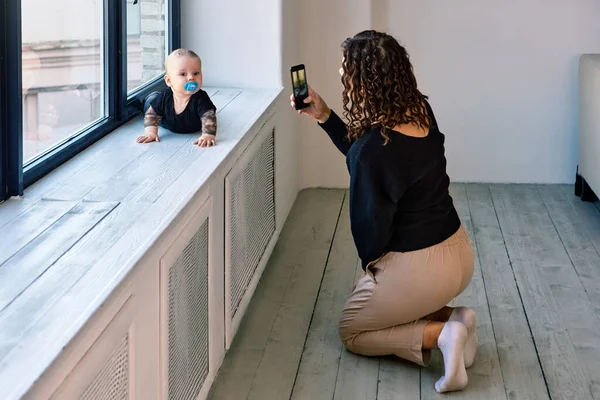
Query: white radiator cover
point(105, 370)
point(249, 224)
point(185, 310)
point(589, 120)
point(112, 382)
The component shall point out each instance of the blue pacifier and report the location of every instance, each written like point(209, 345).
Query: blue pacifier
point(190, 86)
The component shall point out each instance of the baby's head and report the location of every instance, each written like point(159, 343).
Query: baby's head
point(183, 72)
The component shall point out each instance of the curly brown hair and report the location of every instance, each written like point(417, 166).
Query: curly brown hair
point(380, 88)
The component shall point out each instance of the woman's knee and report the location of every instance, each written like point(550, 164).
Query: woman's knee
point(347, 339)
point(345, 332)
point(352, 320)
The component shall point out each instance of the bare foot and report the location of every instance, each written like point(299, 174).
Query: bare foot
point(468, 318)
point(452, 342)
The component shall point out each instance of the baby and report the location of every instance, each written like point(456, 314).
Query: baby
point(182, 107)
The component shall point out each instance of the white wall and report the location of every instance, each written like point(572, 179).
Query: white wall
point(242, 45)
point(502, 78)
point(322, 27)
point(239, 41)
point(287, 138)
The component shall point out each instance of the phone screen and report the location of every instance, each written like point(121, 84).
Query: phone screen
point(300, 86)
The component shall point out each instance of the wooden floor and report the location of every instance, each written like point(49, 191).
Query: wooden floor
point(536, 291)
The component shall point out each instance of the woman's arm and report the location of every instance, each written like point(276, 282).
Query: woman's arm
point(327, 119)
point(337, 131)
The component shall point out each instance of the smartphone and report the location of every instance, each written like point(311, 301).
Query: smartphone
point(299, 85)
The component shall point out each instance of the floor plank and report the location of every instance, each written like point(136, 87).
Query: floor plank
point(385, 378)
point(533, 290)
point(398, 380)
point(357, 375)
point(521, 370)
point(37, 256)
point(321, 356)
point(300, 253)
point(587, 215)
point(581, 251)
point(286, 341)
point(485, 376)
point(533, 245)
point(574, 289)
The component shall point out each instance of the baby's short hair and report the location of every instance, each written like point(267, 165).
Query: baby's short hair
point(181, 53)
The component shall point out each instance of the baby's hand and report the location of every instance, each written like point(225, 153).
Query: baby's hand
point(148, 137)
point(205, 140)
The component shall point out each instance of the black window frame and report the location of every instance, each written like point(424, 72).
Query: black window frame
point(121, 107)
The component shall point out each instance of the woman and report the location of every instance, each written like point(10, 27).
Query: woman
point(416, 255)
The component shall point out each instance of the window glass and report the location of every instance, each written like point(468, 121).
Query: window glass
point(146, 41)
point(63, 71)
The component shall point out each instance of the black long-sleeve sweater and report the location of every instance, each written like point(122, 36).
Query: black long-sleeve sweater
point(399, 199)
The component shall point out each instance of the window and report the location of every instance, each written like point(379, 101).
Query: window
point(62, 75)
point(145, 42)
point(72, 71)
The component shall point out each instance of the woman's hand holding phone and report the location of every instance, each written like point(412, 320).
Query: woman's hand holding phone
point(317, 109)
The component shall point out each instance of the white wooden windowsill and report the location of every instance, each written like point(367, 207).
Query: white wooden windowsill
point(79, 231)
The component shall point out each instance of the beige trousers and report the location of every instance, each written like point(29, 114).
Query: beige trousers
point(390, 305)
